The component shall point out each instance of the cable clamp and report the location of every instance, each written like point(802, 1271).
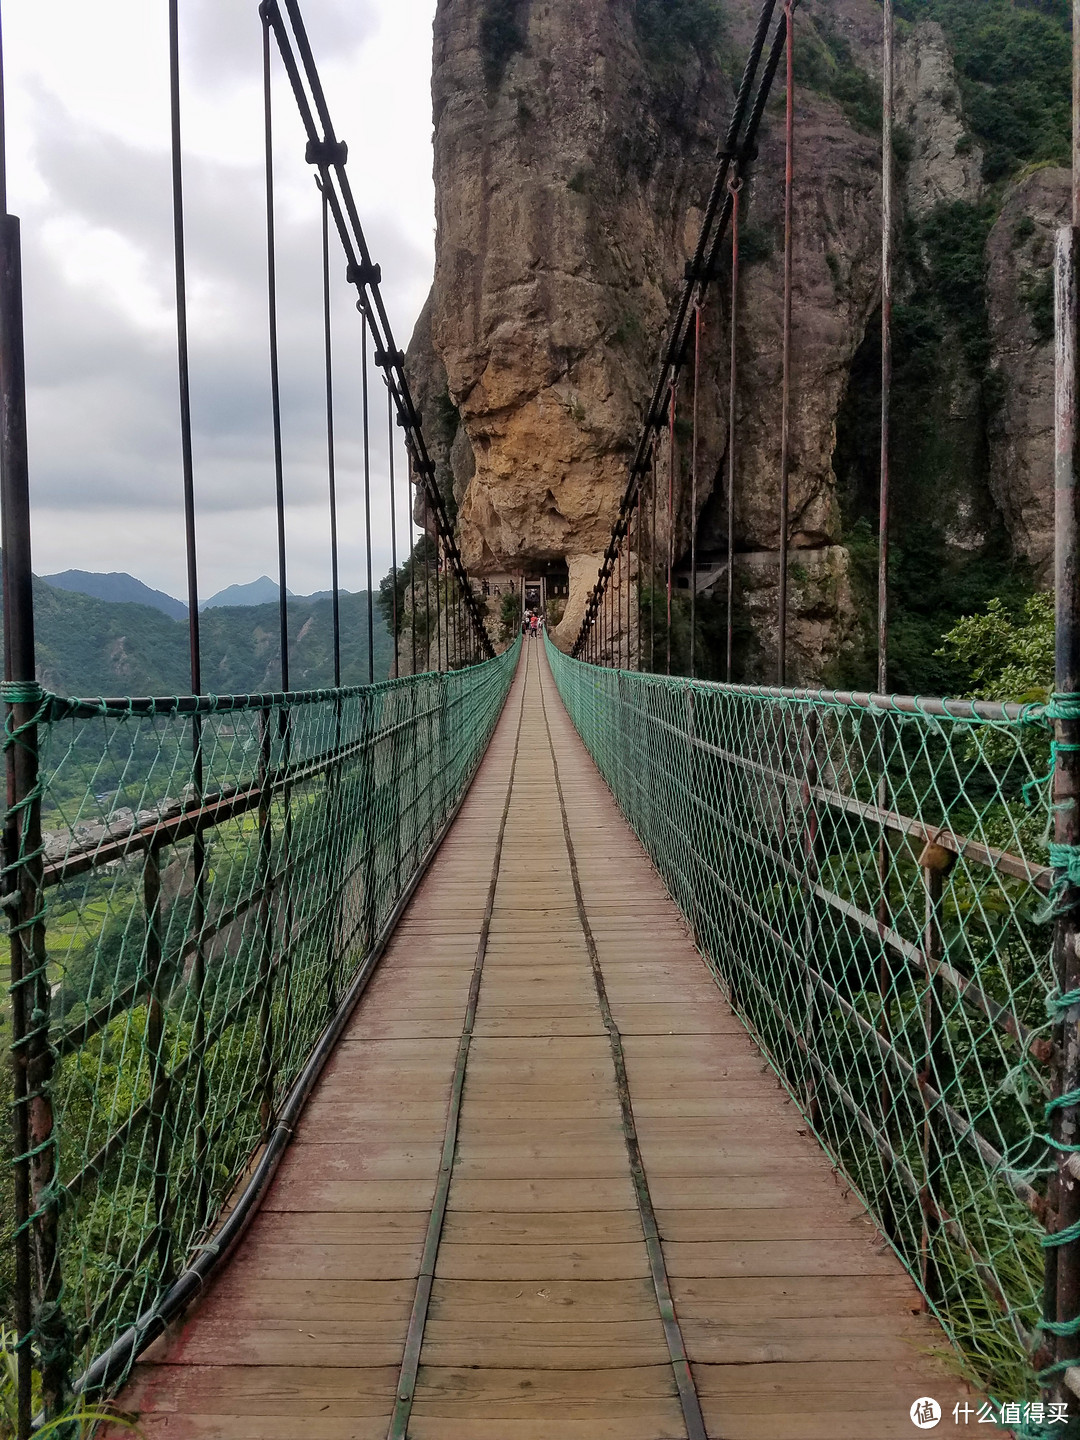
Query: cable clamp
point(365, 274)
point(326, 152)
point(387, 359)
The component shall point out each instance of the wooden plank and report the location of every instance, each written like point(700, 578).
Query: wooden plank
point(295, 1189)
point(264, 1390)
point(576, 1394)
point(769, 1389)
point(864, 1338)
point(735, 1300)
point(509, 1345)
point(162, 1425)
point(569, 1260)
point(806, 1222)
point(539, 1227)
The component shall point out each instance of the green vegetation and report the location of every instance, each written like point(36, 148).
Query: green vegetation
point(824, 62)
point(674, 34)
point(422, 559)
point(757, 243)
point(1006, 653)
point(97, 647)
point(509, 615)
point(1013, 58)
point(79, 1421)
point(1037, 293)
point(503, 32)
point(629, 331)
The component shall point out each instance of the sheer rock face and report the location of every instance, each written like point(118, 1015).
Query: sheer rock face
point(570, 181)
point(945, 165)
point(562, 192)
point(1022, 433)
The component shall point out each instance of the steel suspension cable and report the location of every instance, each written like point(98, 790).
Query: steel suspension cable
point(330, 155)
point(703, 268)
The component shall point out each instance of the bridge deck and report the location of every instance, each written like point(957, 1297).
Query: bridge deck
point(545, 1319)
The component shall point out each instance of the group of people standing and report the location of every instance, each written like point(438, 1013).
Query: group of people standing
point(531, 623)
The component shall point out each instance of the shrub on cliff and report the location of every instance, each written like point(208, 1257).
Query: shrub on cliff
point(1014, 60)
point(670, 29)
point(502, 34)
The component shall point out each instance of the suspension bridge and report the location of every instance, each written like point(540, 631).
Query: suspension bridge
point(535, 1044)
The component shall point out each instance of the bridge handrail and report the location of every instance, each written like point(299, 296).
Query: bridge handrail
point(185, 1036)
point(869, 885)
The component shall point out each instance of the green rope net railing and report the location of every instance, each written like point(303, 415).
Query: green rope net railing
point(869, 881)
point(184, 1005)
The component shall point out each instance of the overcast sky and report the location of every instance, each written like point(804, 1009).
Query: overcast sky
point(87, 95)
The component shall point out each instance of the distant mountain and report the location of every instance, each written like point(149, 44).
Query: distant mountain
point(263, 591)
point(88, 646)
point(116, 586)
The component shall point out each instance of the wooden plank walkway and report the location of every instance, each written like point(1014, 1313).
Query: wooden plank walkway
point(541, 1079)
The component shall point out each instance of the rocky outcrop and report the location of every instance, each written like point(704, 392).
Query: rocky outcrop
point(573, 154)
point(944, 163)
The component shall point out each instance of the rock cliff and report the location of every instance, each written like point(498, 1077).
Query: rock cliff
point(574, 148)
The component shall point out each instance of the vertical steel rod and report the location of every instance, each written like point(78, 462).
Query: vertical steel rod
point(37, 1277)
point(412, 568)
point(887, 205)
point(199, 856)
point(693, 493)
point(670, 512)
point(331, 460)
point(366, 409)
point(275, 378)
point(652, 568)
point(393, 529)
point(1063, 1288)
point(785, 421)
point(733, 395)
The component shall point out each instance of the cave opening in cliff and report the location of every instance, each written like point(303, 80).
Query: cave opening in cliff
point(949, 546)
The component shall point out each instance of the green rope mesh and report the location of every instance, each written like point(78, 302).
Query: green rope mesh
point(192, 963)
point(871, 891)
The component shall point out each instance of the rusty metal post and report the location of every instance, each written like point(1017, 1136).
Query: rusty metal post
point(887, 203)
point(735, 187)
point(672, 452)
point(37, 1267)
point(694, 492)
point(935, 862)
point(785, 420)
point(267, 921)
point(1063, 1288)
point(160, 1087)
point(884, 855)
point(810, 880)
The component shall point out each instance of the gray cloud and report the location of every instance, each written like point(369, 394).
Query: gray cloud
point(105, 453)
